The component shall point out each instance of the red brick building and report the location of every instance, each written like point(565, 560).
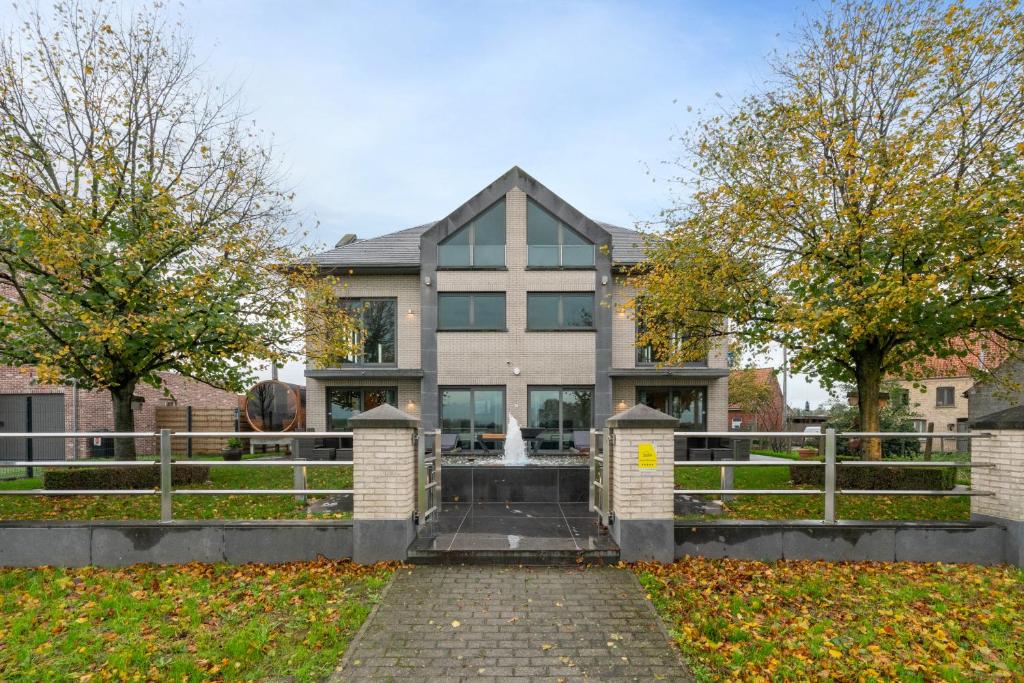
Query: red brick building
point(94, 409)
point(769, 417)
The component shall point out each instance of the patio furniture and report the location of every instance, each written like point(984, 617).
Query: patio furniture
point(449, 443)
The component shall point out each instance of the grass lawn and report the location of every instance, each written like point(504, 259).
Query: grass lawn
point(813, 507)
point(185, 623)
point(797, 621)
point(185, 507)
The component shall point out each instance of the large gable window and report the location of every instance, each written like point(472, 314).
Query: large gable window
point(478, 244)
point(553, 244)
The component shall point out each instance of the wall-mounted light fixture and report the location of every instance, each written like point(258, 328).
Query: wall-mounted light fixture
point(426, 280)
point(604, 279)
point(410, 313)
point(411, 406)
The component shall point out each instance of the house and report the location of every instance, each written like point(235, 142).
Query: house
point(939, 396)
point(27, 405)
point(511, 304)
point(767, 416)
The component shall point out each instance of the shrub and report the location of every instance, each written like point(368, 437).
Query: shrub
point(879, 478)
point(75, 478)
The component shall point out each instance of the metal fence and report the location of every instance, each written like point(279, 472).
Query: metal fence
point(166, 490)
point(830, 490)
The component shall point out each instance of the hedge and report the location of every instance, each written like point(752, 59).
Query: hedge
point(879, 478)
point(75, 478)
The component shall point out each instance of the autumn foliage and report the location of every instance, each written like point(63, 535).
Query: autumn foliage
point(863, 209)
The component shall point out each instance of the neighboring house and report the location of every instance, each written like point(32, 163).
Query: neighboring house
point(939, 397)
point(768, 418)
point(510, 304)
point(27, 406)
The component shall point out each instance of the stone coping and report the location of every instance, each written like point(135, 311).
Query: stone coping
point(819, 524)
point(176, 524)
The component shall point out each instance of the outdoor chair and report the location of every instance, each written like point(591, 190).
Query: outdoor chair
point(449, 443)
point(581, 441)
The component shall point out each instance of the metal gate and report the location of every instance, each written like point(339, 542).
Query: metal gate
point(21, 413)
point(428, 476)
point(600, 473)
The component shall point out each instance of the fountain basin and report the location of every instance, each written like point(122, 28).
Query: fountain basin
point(545, 479)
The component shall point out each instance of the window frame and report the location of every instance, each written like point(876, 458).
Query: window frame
point(472, 389)
point(670, 388)
point(562, 327)
point(645, 356)
point(470, 226)
point(363, 390)
point(952, 397)
point(360, 300)
point(561, 389)
point(472, 311)
point(561, 227)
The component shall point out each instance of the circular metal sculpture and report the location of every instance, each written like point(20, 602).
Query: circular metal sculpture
point(274, 406)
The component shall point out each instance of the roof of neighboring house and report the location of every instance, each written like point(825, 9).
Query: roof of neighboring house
point(978, 354)
point(401, 249)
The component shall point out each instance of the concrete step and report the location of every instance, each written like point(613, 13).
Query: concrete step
point(513, 557)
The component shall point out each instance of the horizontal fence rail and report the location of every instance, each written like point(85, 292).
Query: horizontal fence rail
point(165, 490)
point(830, 465)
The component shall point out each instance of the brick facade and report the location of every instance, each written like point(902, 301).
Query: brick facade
point(384, 469)
point(637, 493)
point(923, 401)
point(1006, 479)
point(95, 410)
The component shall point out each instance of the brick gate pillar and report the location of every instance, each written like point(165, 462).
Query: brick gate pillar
point(384, 483)
point(1006, 480)
point(642, 481)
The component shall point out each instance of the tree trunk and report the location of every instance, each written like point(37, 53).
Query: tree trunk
point(869, 386)
point(124, 420)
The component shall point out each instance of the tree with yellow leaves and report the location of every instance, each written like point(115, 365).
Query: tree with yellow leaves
point(864, 209)
point(142, 222)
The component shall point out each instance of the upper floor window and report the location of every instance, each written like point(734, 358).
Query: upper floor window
point(553, 244)
point(375, 339)
point(944, 397)
point(477, 311)
point(478, 244)
point(560, 311)
point(647, 354)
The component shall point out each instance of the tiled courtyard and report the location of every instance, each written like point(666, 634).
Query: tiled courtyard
point(455, 623)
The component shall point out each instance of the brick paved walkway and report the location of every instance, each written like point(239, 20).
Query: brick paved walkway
point(514, 623)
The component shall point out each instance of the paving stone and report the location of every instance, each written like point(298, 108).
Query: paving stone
point(514, 623)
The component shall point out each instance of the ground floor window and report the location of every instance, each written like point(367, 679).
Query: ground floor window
point(472, 414)
point(688, 404)
point(344, 402)
point(563, 414)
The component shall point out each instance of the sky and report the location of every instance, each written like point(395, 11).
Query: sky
point(387, 115)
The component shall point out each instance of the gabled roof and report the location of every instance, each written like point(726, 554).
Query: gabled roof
point(401, 250)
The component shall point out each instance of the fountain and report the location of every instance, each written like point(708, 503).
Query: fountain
point(515, 447)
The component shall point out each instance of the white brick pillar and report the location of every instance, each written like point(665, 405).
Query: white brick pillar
point(384, 482)
point(642, 481)
point(1006, 480)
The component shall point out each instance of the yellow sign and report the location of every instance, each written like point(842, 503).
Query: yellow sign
point(646, 456)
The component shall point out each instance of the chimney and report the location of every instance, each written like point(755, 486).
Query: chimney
point(348, 238)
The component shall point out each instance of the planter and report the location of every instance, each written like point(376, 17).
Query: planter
point(232, 453)
point(807, 453)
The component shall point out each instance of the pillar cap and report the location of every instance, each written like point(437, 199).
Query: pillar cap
point(382, 417)
point(642, 415)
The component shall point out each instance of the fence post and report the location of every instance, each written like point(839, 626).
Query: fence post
point(727, 480)
point(298, 472)
point(165, 476)
point(830, 476)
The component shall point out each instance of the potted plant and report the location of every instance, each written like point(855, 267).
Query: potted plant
point(807, 452)
point(233, 450)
